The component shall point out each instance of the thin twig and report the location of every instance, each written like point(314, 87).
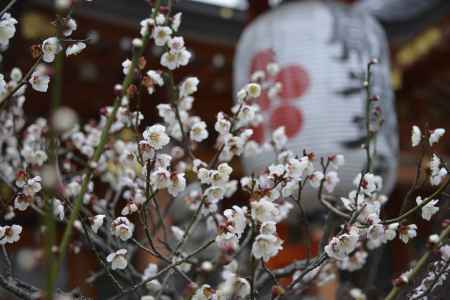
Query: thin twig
point(7, 7)
point(8, 271)
point(21, 83)
point(418, 266)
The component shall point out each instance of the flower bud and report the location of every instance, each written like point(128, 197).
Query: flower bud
point(433, 240)
point(137, 43)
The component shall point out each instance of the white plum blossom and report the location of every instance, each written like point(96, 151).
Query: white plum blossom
point(122, 228)
point(434, 239)
point(152, 285)
point(236, 219)
point(247, 114)
point(341, 246)
point(177, 184)
point(161, 35)
point(39, 81)
point(177, 232)
point(315, 179)
point(241, 95)
point(75, 49)
point(268, 227)
point(336, 161)
point(253, 90)
point(166, 112)
point(129, 208)
point(21, 178)
point(266, 246)
point(357, 294)
point(118, 259)
point(222, 125)
point(436, 135)
point(407, 232)
point(16, 74)
point(199, 131)
point(188, 86)
point(285, 156)
point(299, 169)
point(126, 65)
point(445, 252)
point(416, 136)
point(156, 136)
point(437, 172)
point(429, 209)
point(50, 48)
point(32, 186)
point(147, 152)
point(137, 43)
point(34, 157)
point(234, 145)
point(10, 234)
point(185, 104)
point(391, 231)
point(205, 292)
point(279, 137)
point(203, 175)
point(241, 287)
point(369, 184)
point(214, 193)
point(258, 76)
point(247, 183)
point(174, 59)
point(155, 79)
point(22, 202)
point(63, 5)
point(276, 171)
point(145, 25)
point(176, 21)
point(375, 236)
point(160, 19)
point(264, 210)
point(177, 55)
point(3, 86)
point(97, 222)
point(224, 170)
point(58, 209)
point(354, 262)
point(160, 178)
point(227, 240)
point(70, 27)
point(331, 180)
point(273, 68)
point(291, 188)
point(73, 188)
point(7, 29)
point(176, 43)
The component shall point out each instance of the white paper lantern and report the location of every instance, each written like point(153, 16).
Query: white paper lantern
point(322, 50)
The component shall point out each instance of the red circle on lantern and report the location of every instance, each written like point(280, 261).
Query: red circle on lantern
point(258, 134)
point(261, 60)
point(295, 81)
point(264, 101)
point(289, 117)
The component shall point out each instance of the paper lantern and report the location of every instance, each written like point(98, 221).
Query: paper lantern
point(322, 50)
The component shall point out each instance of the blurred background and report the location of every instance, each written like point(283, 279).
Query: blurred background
point(420, 76)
